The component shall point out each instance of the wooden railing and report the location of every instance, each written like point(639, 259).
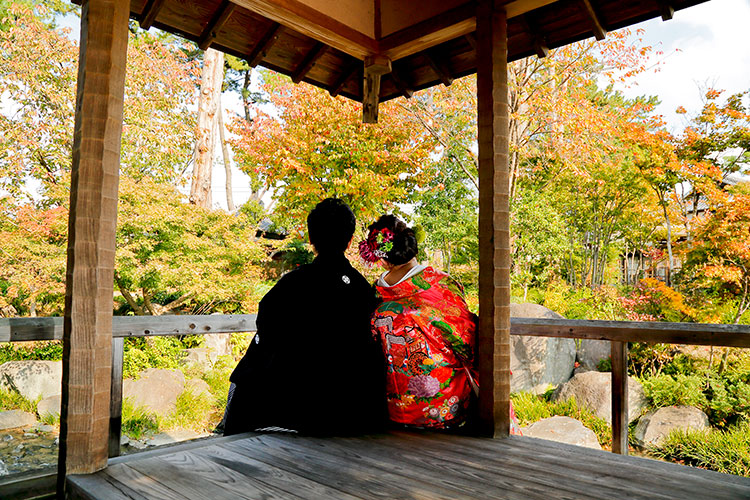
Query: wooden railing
point(619, 332)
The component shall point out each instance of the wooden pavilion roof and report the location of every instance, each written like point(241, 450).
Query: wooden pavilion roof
point(324, 42)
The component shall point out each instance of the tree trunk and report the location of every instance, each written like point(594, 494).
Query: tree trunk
point(212, 78)
point(669, 244)
point(227, 161)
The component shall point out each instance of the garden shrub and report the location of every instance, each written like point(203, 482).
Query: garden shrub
point(677, 390)
point(137, 421)
point(723, 451)
point(649, 359)
point(191, 412)
point(12, 400)
point(47, 350)
point(151, 352)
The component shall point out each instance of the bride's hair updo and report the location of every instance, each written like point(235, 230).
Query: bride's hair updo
point(403, 242)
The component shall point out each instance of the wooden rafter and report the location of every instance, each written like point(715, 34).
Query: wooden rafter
point(471, 38)
point(345, 76)
point(666, 10)
point(221, 16)
point(264, 45)
point(401, 85)
point(150, 11)
point(306, 65)
point(530, 26)
point(597, 27)
point(435, 60)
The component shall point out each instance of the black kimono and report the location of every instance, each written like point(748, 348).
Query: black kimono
point(313, 366)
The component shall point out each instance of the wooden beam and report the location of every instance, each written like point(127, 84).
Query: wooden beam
point(435, 61)
point(303, 18)
point(666, 10)
point(375, 68)
point(597, 27)
point(472, 39)
point(493, 339)
point(115, 400)
point(530, 26)
point(150, 11)
point(398, 80)
point(344, 77)
point(219, 19)
point(306, 65)
point(619, 357)
point(87, 324)
point(264, 45)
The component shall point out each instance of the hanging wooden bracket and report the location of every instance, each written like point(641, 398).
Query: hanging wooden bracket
point(375, 67)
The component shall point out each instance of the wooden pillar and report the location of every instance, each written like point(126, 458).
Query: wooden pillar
point(494, 220)
point(619, 359)
point(375, 67)
point(87, 326)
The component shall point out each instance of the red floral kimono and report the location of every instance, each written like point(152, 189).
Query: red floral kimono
point(428, 336)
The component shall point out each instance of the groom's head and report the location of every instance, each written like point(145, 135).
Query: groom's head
point(330, 226)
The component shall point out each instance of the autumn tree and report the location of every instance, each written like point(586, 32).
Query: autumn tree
point(318, 147)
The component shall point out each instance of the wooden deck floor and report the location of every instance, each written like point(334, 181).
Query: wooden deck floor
point(397, 465)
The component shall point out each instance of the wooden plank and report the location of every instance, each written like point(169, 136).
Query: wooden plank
point(597, 26)
point(115, 401)
point(221, 16)
point(306, 65)
point(437, 63)
point(304, 19)
point(666, 10)
point(93, 487)
point(150, 11)
point(619, 359)
point(139, 486)
point(635, 331)
point(494, 220)
point(344, 77)
point(27, 329)
point(87, 331)
point(260, 50)
point(141, 326)
point(34, 484)
point(294, 456)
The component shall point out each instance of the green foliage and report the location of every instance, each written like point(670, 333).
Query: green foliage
point(723, 451)
point(150, 352)
point(218, 379)
point(296, 253)
point(12, 400)
point(190, 412)
point(531, 408)
point(49, 350)
point(137, 421)
point(678, 390)
point(583, 303)
point(649, 359)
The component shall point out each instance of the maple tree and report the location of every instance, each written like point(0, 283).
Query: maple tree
point(318, 147)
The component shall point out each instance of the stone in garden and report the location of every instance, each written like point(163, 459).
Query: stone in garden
point(537, 362)
point(591, 352)
point(32, 379)
point(657, 424)
point(45, 428)
point(12, 419)
point(202, 358)
point(563, 430)
point(199, 387)
point(219, 343)
point(156, 390)
point(3, 469)
point(49, 406)
point(174, 436)
point(593, 390)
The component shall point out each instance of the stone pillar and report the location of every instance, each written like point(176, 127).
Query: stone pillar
point(494, 220)
point(87, 334)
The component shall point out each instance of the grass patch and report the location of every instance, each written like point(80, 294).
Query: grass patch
point(48, 350)
point(217, 379)
point(722, 451)
point(531, 408)
point(191, 412)
point(11, 400)
point(137, 421)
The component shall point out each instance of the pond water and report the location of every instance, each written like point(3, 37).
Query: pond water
point(22, 450)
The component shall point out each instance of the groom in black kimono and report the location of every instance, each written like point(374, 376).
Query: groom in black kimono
point(313, 365)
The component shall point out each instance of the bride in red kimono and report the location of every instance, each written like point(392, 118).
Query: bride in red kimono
point(427, 332)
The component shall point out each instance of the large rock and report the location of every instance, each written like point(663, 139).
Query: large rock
point(156, 390)
point(537, 362)
point(32, 379)
point(593, 390)
point(219, 343)
point(50, 405)
point(199, 388)
point(12, 419)
point(563, 430)
point(657, 424)
point(201, 358)
point(591, 352)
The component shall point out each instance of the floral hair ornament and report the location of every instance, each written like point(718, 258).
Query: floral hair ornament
point(377, 245)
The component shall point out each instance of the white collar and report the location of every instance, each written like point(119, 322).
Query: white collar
point(414, 270)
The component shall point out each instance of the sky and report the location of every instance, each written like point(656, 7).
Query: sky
point(704, 45)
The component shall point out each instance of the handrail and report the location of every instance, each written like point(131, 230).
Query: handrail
point(618, 332)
